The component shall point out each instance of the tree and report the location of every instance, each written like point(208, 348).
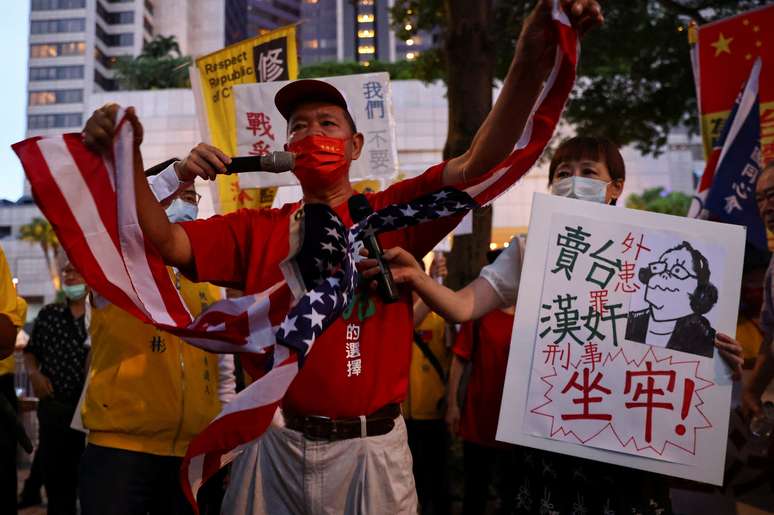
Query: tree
point(634, 86)
point(659, 200)
point(635, 80)
point(467, 60)
point(160, 65)
point(399, 70)
point(40, 232)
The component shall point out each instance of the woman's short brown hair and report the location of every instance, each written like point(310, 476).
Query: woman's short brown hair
point(589, 147)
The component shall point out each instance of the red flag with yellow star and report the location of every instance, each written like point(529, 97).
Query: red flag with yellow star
point(726, 51)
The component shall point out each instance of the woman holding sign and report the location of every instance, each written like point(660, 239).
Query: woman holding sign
point(584, 168)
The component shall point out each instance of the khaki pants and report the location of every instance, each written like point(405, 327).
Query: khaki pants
point(286, 473)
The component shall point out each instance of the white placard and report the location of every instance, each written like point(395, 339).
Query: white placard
point(612, 354)
point(261, 128)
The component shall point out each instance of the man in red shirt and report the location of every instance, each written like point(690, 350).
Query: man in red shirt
point(343, 445)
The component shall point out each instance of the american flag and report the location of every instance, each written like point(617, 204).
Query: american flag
point(90, 202)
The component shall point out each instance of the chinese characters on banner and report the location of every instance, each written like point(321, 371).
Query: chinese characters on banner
point(612, 356)
point(266, 58)
point(262, 129)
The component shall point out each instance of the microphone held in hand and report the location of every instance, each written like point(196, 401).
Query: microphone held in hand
point(359, 209)
point(274, 162)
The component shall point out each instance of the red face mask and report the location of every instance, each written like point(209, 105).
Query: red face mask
point(320, 161)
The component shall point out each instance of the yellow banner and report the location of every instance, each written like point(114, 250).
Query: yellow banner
point(266, 58)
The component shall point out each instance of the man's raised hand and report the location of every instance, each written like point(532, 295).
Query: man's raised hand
point(100, 128)
point(537, 40)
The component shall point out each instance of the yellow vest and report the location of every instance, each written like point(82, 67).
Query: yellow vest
point(8, 365)
point(9, 306)
point(425, 386)
point(148, 391)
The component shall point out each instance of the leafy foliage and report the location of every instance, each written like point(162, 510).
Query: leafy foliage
point(160, 65)
point(635, 80)
point(658, 200)
point(400, 70)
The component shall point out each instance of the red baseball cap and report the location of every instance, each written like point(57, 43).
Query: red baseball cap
point(307, 90)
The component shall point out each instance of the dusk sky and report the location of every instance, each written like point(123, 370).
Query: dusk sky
point(14, 25)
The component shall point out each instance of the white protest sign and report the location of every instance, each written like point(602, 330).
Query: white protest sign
point(262, 129)
point(612, 354)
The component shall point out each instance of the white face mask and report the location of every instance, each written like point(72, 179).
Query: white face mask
point(582, 188)
point(182, 211)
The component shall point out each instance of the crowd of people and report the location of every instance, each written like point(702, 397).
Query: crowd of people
point(120, 400)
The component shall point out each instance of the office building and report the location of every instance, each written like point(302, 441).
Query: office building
point(328, 30)
point(74, 44)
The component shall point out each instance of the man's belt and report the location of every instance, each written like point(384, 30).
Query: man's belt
point(324, 428)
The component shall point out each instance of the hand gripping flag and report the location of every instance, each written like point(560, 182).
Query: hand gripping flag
point(727, 188)
point(90, 202)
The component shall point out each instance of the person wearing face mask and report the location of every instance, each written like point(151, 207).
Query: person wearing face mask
point(55, 358)
point(339, 445)
point(585, 168)
point(148, 394)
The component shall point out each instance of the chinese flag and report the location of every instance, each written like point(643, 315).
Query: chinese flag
point(726, 51)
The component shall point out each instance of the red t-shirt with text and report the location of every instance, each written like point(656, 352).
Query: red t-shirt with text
point(361, 362)
point(478, 423)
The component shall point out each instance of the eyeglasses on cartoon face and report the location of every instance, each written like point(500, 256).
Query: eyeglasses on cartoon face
point(678, 271)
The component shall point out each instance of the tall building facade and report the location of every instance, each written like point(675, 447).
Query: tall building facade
point(329, 30)
point(75, 43)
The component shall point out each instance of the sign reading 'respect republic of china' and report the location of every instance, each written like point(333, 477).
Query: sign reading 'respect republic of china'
point(612, 355)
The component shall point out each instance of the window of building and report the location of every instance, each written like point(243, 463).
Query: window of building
point(365, 18)
point(55, 26)
point(149, 6)
point(115, 18)
point(56, 96)
point(49, 5)
point(56, 72)
point(124, 39)
point(106, 60)
point(365, 33)
point(51, 121)
point(366, 49)
point(311, 43)
point(148, 25)
point(57, 49)
point(105, 83)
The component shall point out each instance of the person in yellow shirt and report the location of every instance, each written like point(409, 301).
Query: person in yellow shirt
point(13, 311)
point(424, 407)
point(148, 394)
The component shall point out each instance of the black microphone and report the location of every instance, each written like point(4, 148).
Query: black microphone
point(275, 162)
point(359, 209)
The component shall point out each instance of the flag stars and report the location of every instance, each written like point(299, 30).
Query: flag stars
point(316, 318)
point(314, 297)
point(288, 325)
point(722, 45)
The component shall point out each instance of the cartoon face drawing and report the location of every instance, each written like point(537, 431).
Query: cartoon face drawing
point(671, 284)
point(679, 293)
